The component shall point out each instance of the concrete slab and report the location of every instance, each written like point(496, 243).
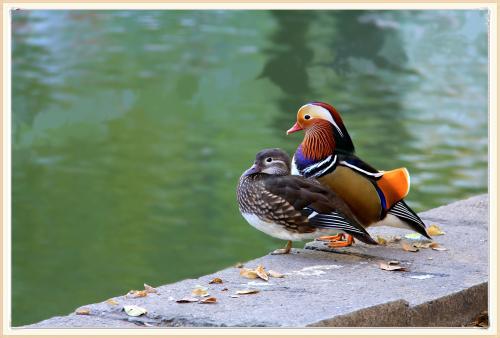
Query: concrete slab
point(335, 288)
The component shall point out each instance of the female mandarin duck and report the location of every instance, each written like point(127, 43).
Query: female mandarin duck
point(292, 208)
point(327, 154)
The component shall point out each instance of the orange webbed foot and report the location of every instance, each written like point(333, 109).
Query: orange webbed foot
point(340, 243)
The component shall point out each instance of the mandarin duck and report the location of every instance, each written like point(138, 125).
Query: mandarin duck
point(292, 208)
point(327, 154)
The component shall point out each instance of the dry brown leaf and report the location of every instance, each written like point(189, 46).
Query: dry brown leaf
point(437, 247)
point(422, 245)
point(261, 273)
point(381, 240)
point(391, 267)
point(246, 292)
point(248, 273)
point(187, 300)
point(82, 311)
point(216, 280)
point(112, 301)
point(209, 300)
point(149, 289)
point(134, 310)
point(434, 230)
point(408, 247)
point(199, 291)
point(275, 274)
point(137, 293)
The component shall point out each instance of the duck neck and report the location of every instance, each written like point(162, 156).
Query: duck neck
point(318, 142)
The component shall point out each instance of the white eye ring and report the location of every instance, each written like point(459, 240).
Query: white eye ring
point(269, 159)
point(307, 116)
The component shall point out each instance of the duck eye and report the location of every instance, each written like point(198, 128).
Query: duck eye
point(269, 159)
point(307, 117)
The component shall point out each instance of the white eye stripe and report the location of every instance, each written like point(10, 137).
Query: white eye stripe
point(324, 113)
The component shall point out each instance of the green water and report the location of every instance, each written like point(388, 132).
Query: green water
point(130, 130)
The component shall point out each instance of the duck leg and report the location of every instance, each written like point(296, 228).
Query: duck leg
point(341, 243)
point(283, 251)
point(336, 237)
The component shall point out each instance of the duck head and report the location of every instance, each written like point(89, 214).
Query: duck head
point(270, 161)
point(318, 116)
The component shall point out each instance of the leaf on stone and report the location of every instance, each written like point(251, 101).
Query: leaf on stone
point(199, 291)
point(381, 240)
point(187, 300)
point(209, 300)
point(261, 273)
point(216, 280)
point(112, 301)
point(82, 311)
point(437, 247)
point(246, 292)
point(391, 267)
point(137, 293)
point(248, 273)
point(422, 245)
point(134, 310)
point(434, 230)
point(413, 236)
point(408, 247)
point(275, 274)
point(149, 289)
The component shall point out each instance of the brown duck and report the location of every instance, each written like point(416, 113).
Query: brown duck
point(292, 208)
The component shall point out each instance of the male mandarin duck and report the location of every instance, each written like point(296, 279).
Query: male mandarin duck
point(327, 154)
point(292, 208)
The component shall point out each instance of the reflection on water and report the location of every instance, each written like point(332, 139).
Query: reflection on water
point(130, 130)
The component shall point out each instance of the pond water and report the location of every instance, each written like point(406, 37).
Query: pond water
point(130, 130)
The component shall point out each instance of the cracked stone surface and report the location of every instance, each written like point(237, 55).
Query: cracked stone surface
point(332, 287)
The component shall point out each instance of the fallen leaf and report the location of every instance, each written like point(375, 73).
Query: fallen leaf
point(112, 301)
point(381, 240)
point(149, 289)
point(434, 230)
point(137, 294)
point(238, 265)
point(246, 292)
point(439, 248)
point(82, 311)
point(248, 273)
point(422, 245)
point(199, 291)
point(134, 310)
point(275, 274)
point(413, 236)
point(391, 267)
point(187, 300)
point(216, 280)
point(261, 273)
point(408, 247)
point(209, 300)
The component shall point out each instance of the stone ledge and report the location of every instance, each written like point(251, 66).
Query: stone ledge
point(333, 288)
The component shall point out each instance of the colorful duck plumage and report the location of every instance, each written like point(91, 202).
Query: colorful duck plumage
point(328, 154)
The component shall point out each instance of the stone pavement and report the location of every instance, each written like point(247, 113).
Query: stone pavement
point(335, 288)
